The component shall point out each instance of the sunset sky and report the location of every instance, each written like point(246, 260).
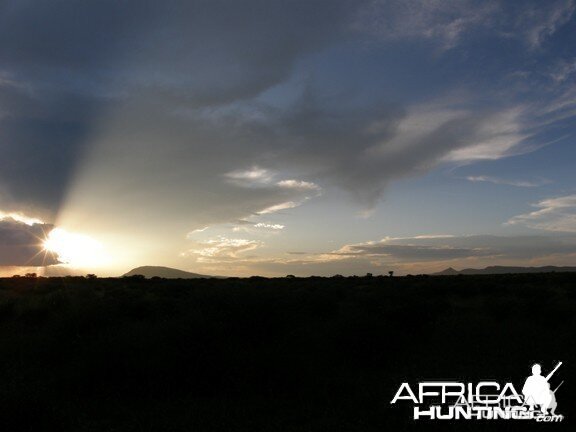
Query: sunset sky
point(263, 137)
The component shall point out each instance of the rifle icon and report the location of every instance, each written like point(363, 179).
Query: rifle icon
point(554, 370)
point(552, 404)
point(554, 391)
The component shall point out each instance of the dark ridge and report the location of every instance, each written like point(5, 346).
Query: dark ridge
point(504, 270)
point(165, 273)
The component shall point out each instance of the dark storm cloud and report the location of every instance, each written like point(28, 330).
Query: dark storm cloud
point(133, 99)
point(363, 150)
point(21, 244)
point(204, 51)
point(63, 63)
point(53, 56)
point(41, 136)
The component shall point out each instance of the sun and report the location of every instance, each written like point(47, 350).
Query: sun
point(77, 250)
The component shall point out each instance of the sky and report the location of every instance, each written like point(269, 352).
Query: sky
point(267, 137)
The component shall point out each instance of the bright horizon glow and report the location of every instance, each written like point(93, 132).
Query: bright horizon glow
point(76, 250)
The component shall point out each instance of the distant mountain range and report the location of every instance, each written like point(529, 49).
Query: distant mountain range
point(504, 270)
point(165, 272)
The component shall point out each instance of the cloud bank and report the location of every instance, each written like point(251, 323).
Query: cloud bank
point(21, 243)
point(420, 254)
point(185, 76)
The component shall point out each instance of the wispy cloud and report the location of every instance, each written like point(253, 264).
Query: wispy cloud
point(498, 135)
point(449, 22)
point(251, 177)
point(265, 179)
point(269, 226)
point(553, 214)
point(444, 21)
point(259, 227)
point(298, 184)
point(563, 70)
point(539, 23)
point(254, 227)
point(501, 181)
point(221, 249)
point(279, 207)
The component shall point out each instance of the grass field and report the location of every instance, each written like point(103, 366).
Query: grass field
point(313, 354)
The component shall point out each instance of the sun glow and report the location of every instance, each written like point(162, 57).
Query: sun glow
point(76, 250)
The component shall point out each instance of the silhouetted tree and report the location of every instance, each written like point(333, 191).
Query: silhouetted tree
point(391, 273)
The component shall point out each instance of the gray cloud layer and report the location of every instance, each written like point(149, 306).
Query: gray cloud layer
point(110, 106)
point(65, 63)
point(423, 254)
point(21, 244)
point(456, 247)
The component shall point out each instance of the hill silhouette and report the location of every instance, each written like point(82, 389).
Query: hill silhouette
point(494, 270)
point(164, 272)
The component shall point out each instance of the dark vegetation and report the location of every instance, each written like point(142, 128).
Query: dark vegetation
point(290, 354)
